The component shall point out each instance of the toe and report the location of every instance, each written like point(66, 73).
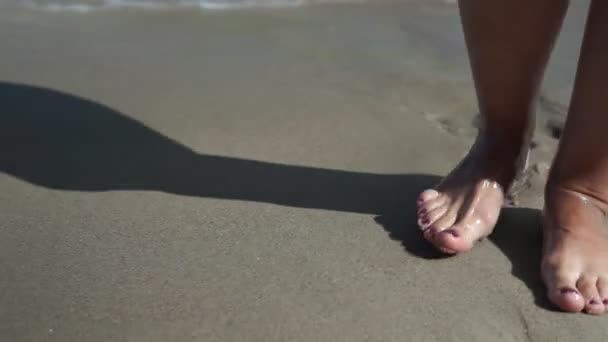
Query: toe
point(602, 287)
point(431, 204)
point(426, 219)
point(562, 291)
point(433, 230)
point(455, 239)
point(427, 195)
point(567, 299)
point(444, 221)
point(587, 286)
point(463, 235)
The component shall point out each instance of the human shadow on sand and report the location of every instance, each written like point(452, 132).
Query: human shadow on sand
point(60, 141)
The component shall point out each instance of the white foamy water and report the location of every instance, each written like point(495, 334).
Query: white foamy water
point(85, 6)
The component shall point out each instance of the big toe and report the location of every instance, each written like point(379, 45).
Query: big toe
point(567, 299)
point(454, 240)
point(562, 292)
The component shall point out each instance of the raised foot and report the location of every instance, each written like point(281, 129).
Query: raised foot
point(454, 218)
point(465, 206)
point(575, 250)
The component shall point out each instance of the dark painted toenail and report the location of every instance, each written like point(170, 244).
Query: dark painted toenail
point(594, 302)
point(605, 301)
point(451, 231)
point(425, 220)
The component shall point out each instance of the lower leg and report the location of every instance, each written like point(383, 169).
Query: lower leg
point(575, 258)
point(508, 50)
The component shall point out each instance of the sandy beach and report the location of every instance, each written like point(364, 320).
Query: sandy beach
point(251, 176)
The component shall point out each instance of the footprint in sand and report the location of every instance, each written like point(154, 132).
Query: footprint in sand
point(554, 127)
point(454, 124)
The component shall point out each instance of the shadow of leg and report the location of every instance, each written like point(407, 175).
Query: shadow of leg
point(401, 224)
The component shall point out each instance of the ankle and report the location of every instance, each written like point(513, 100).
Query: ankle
point(508, 140)
point(496, 160)
point(571, 188)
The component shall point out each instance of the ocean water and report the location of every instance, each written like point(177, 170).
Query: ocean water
point(85, 6)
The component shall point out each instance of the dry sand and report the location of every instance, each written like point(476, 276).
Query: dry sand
point(250, 176)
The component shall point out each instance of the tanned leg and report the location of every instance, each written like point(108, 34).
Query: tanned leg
point(575, 251)
point(509, 43)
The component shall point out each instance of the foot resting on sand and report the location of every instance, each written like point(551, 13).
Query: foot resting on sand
point(465, 206)
point(575, 250)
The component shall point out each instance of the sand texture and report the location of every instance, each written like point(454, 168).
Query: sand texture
point(251, 176)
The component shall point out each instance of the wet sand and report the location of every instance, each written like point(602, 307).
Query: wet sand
point(251, 176)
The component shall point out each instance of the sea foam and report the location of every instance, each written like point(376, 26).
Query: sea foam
point(84, 6)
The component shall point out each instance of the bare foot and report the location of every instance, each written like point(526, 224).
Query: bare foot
point(575, 249)
point(465, 206)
